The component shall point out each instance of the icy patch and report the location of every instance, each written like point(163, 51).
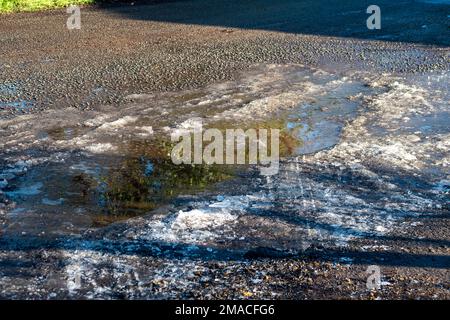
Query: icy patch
point(146, 131)
point(443, 186)
point(26, 190)
point(326, 198)
point(400, 102)
point(17, 105)
point(3, 183)
point(191, 124)
point(97, 121)
point(101, 148)
point(50, 202)
point(85, 168)
point(93, 275)
point(137, 96)
point(389, 130)
point(120, 123)
point(324, 135)
point(200, 219)
point(260, 108)
point(197, 226)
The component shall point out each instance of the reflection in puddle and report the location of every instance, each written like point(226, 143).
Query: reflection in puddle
point(86, 191)
point(142, 183)
point(82, 191)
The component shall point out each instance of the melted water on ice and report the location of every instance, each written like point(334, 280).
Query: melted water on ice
point(373, 150)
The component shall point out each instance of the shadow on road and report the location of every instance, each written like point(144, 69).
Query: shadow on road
point(416, 21)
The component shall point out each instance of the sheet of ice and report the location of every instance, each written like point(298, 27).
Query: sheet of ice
point(51, 202)
point(25, 191)
point(354, 188)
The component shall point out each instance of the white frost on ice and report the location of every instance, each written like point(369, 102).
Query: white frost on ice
point(117, 124)
point(101, 148)
point(146, 131)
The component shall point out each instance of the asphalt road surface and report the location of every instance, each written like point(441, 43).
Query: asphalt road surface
point(184, 44)
point(80, 111)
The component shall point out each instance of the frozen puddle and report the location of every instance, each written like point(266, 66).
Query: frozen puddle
point(373, 150)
